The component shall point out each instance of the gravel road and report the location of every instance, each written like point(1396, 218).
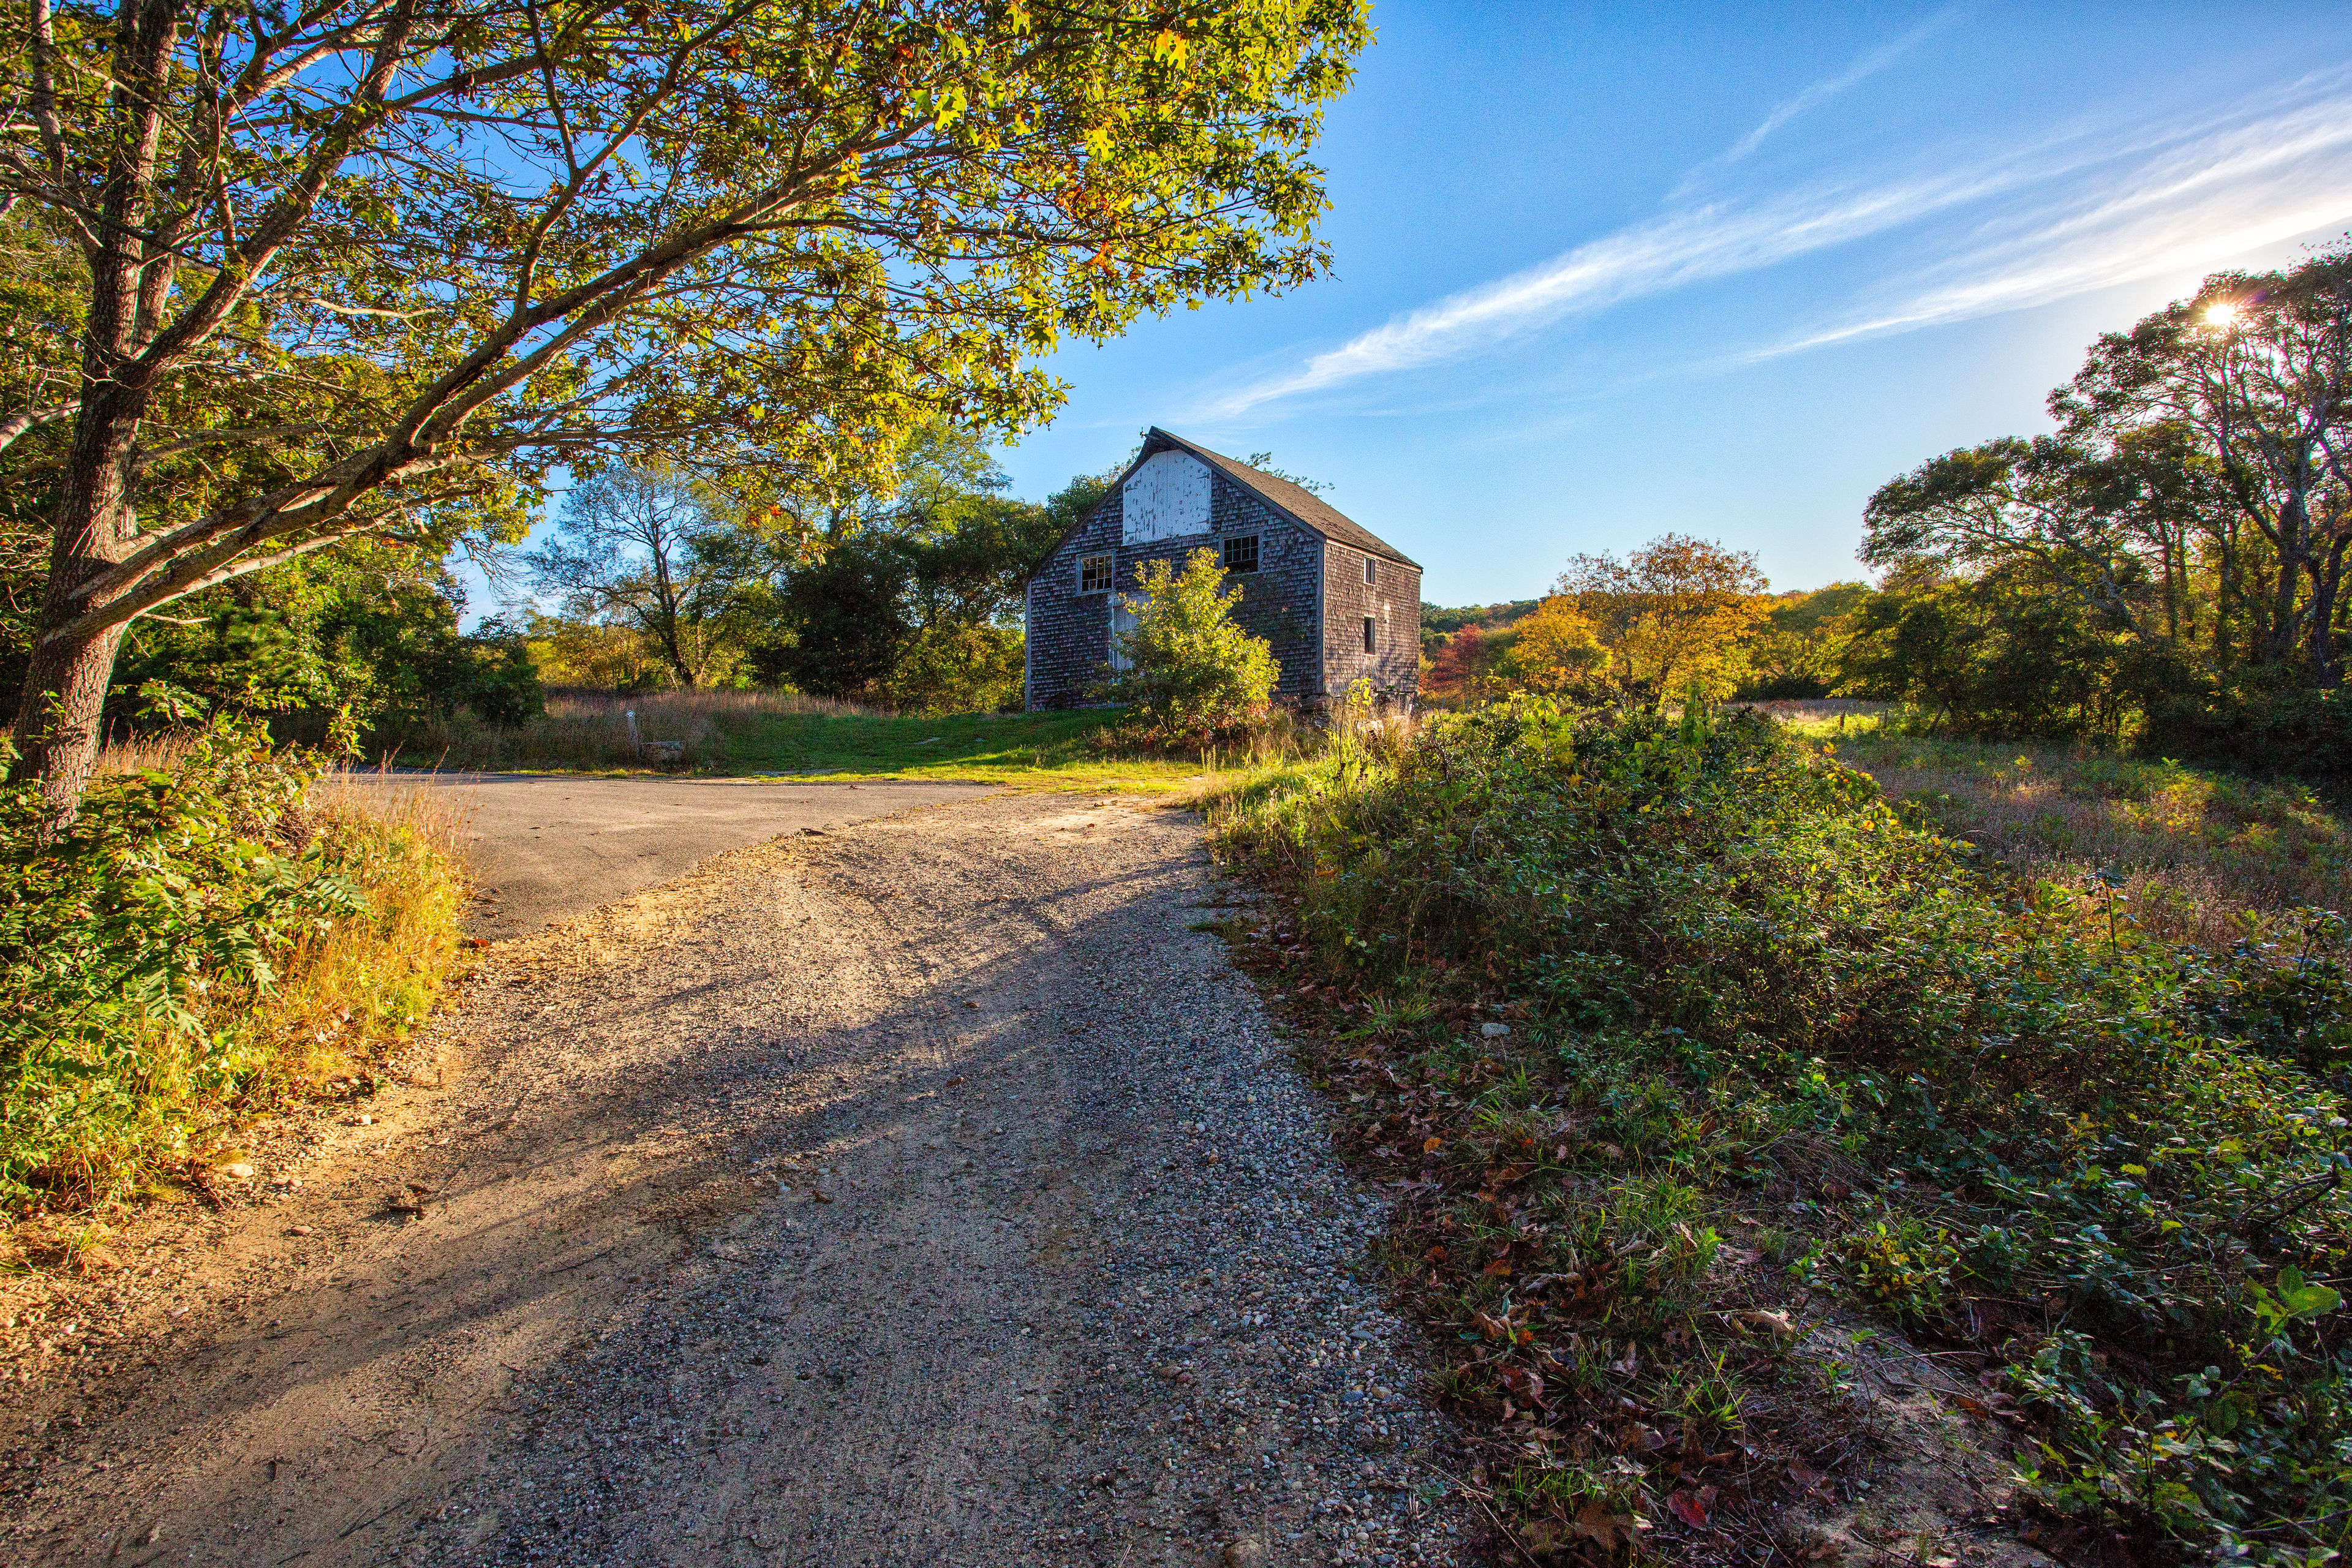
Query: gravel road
point(931, 1192)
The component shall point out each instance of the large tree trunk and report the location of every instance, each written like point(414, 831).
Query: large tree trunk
point(57, 723)
point(58, 718)
point(59, 715)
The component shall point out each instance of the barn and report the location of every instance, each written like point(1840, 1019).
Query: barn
point(1336, 602)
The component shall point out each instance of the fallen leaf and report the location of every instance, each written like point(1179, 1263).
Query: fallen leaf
point(1695, 1508)
point(1601, 1527)
point(1777, 1324)
point(1807, 1477)
point(1500, 1268)
point(1431, 1145)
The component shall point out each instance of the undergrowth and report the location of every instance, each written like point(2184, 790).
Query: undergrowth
point(202, 940)
point(1605, 985)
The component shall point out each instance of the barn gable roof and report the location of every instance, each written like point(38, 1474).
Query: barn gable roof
point(1301, 505)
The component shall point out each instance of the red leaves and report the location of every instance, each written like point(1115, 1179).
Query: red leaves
point(1527, 1384)
point(1694, 1507)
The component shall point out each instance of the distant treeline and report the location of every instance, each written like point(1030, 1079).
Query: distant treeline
point(2165, 570)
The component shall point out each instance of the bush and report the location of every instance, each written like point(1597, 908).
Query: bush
point(2261, 726)
point(1193, 676)
point(153, 952)
point(951, 668)
point(1727, 961)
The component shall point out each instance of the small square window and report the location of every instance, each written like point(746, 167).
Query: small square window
point(1371, 574)
point(1240, 553)
point(1371, 636)
point(1094, 574)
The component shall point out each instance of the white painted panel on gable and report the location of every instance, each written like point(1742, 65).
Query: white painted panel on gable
point(1165, 499)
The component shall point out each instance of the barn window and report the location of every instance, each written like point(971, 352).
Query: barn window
point(1094, 574)
point(1240, 553)
point(1371, 577)
point(1371, 636)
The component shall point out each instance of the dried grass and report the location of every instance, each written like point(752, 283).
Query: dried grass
point(2197, 855)
point(586, 729)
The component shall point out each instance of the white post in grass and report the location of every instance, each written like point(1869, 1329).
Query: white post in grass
point(636, 747)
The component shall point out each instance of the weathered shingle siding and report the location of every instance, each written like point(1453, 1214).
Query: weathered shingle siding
point(1393, 600)
point(1070, 632)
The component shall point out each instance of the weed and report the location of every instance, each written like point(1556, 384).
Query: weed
point(1664, 963)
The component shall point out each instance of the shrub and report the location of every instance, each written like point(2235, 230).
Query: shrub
point(1193, 676)
point(150, 951)
point(1727, 962)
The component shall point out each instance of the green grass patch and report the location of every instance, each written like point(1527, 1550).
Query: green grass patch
point(1668, 1034)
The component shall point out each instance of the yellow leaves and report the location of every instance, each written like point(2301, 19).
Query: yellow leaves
point(1171, 49)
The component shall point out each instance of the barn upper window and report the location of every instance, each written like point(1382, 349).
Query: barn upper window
point(1371, 636)
point(1372, 576)
point(1094, 574)
point(1240, 553)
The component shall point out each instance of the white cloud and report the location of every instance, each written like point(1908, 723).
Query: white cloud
point(1828, 88)
point(2187, 206)
point(2082, 209)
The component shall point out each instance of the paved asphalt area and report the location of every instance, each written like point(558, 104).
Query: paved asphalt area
point(545, 849)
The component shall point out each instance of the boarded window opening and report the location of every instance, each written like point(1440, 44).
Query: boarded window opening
point(1371, 577)
point(1094, 574)
point(1240, 553)
point(1371, 642)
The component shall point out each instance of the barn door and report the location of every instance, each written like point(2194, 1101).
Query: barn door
point(1122, 619)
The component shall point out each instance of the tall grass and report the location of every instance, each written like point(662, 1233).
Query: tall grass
point(2199, 857)
point(592, 729)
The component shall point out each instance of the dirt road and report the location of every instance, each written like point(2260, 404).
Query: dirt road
point(932, 1191)
point(546, 846)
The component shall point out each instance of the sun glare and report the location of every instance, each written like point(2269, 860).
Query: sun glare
point(2222, 315)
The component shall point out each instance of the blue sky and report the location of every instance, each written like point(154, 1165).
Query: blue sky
point(1605, 273)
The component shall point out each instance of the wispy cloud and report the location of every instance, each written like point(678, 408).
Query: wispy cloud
point(2079, 210)
point(2185, 206)
point(1828, 88)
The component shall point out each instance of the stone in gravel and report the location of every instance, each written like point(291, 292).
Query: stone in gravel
point(1247, 1553)
point(1494, 1031)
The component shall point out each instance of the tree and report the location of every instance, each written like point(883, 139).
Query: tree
point(368, 257)
point(1558, 649)
point(1794, 652)
point(2078, 520)
point(1467, 664)
point(1999, 653)
point(840, 621)
point(2252, 374)
point(1191, 674)
point(1672, 612)
point(646, 547)
point(911, 595)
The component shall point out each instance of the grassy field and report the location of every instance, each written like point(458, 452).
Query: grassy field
point(756, 734)
point(2196, 856)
